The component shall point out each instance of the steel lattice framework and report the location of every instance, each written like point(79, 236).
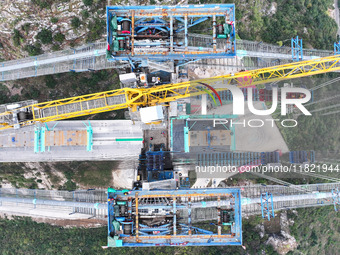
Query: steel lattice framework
point(163, 19)
point(141, 97)
point(130, 211)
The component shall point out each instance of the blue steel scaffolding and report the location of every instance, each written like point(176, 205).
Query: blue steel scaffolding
point(299, 157)
point(336, 198)
point(297, 50)
point(168, 218)
point(267, 205)
point(270, 157)
point(161, 32)
point(337, 48)
point(155, 161)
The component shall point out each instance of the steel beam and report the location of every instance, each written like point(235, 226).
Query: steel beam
point(132, 33)
point(337, 48)
point(297, 50)
point(186, 32)
point(214, 33)
point(174, 229)
point(171, 34)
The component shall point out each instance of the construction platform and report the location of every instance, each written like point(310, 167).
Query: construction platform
point(152, 32)
point(72, 140)
point(142, 218)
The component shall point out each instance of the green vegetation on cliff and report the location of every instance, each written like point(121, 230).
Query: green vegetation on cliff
point(24, 236)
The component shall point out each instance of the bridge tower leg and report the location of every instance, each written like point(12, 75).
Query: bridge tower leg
point(267, 205)
point(297, 52)
point(337, 48)
point(336, 198)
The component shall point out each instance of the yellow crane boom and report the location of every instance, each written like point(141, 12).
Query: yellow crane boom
point(131, 98)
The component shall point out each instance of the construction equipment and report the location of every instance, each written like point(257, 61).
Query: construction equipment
point(300, 157)
point(168, 217)
point(174, 217)
point(135, 33)
point(142, 97)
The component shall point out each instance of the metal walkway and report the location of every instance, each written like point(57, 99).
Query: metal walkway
point(91, 57)
point(86, 58)
point(93, 202)
point(257, 49)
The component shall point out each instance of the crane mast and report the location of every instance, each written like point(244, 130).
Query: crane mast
point(142, 97)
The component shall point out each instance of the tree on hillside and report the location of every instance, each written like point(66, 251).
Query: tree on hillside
point(45, 36)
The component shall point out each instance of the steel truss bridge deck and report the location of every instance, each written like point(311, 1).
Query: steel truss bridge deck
point(92, 57)
point(309, 195)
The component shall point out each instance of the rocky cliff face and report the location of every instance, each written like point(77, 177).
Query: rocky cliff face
point(28, 19)
point(283, 242)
